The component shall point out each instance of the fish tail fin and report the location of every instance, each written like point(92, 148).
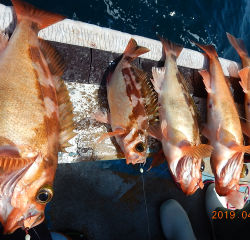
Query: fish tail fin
point(238, 45)
point(170, 47)
point(41, 17)
point(209, 49)
point(132, 50)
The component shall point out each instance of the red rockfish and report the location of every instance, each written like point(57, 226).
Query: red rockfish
point(35, 116)
point(178, 129)
point(132, 105)
point(223, 129)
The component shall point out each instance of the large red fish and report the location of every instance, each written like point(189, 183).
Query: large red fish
point(132, 105)
point(223, 128)
point(35, 116)
point(178, 129)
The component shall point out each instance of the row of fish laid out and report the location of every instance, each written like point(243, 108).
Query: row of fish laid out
point(37, 119)
point(169, 115)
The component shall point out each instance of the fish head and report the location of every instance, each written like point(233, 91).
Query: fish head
point(227, 173)
point(30, 195)
point(188, 173)
point(135, 145)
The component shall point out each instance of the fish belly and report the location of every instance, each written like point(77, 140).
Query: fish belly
point(176, 107)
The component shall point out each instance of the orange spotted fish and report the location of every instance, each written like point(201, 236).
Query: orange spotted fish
point(178, 128)
point(35, 116)
point(223, 129)
point(132, 105)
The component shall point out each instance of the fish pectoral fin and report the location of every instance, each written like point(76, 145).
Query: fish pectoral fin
point(158, 77)
point(159, 159)
point(200, 151)
point(241, 149)
point(155, 131)
point(244, 76)
point(9, 164)
point(110, 134)
point(245, 129)
point(206, 79)
point(4, 38)
point(101, 116)
point(164, 129)
point(206, 132)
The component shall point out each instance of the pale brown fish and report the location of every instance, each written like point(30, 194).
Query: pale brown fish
point(132, 105)
point(178, 128)
point(223, 129)
point(35, 116)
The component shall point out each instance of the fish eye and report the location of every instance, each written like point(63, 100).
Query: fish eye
point(244, 171)
point(44, 195)
point(140, 147)
point(202, 168)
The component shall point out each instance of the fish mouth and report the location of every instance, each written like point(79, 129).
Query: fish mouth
point(19, 221)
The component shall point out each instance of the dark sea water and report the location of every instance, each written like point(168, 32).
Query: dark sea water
point(205, 21)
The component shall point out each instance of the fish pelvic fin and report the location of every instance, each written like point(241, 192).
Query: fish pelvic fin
point(238, 45)
point(209, 49)
point(57, 66)
point(149, 96)
point(170, 47)
point(110, 134)
point(132, 50)
point(245, 79)
point(241, 149)
point(200, 151)
point(159, 159)
point(41, 17)
point(9, 164)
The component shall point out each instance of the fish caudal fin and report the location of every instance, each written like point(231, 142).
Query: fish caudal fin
point(159, 159)
point(132, 50)
point(9, 164)
point(209, 49)
point(245, 79)
point(170, 47)
point(57, 66)
point(41, 17)
point(238, 45)
point(200, 151)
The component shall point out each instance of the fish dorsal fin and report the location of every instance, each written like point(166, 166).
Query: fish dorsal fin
point(9, 164)
point(149, 95)
point(41, 17)
point(57, 66)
